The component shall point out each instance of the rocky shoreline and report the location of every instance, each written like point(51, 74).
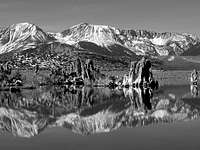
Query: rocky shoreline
point(77, 73)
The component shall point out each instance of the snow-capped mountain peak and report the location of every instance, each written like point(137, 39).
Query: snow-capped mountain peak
point(99, 34)
point(141, 42)
point(22, 36)
point(101, 39)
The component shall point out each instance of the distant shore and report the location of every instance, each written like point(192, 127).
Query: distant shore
point(168, 77)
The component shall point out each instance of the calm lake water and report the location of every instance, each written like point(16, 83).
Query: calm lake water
point(100, 118)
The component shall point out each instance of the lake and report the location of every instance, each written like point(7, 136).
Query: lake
point(100, 118)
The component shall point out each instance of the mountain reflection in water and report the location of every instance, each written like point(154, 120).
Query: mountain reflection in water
point(90, 110)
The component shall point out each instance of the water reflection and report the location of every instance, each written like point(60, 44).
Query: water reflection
point(140, 97)
point(194, 90)
point(88, 110)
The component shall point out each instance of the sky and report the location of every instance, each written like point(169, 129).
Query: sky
point(58, 15)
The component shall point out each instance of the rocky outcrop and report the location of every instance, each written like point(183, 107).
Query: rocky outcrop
point(88, 70)
point(140, 74)
point(85, 71)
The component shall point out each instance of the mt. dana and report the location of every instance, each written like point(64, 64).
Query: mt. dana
point(100, 39)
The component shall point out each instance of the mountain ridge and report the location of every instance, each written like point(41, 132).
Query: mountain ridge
point(100, 39)
point(22, 36)
point(141, 42)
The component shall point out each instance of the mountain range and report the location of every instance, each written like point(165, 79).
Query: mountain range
point(99, 39)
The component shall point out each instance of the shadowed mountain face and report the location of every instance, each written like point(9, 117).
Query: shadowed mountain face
point(92, 110)
point(99, 39)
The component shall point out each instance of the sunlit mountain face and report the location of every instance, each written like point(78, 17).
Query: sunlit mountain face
point(22, 36)
point(87, 110)
point(139, 42)
point(99, 39)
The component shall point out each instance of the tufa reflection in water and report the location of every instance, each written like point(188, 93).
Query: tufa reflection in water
point(194, 90)
point(88, 110)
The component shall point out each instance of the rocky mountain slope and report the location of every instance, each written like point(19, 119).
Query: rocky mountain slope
point(22, 36)
point(99, 39)
point(140, 42)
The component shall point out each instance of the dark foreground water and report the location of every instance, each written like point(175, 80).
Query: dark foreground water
point(100, 118)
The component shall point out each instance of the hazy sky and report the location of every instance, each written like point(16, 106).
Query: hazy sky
point(57, 15)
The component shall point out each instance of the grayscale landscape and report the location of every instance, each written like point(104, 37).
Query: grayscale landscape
point(99, 74)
